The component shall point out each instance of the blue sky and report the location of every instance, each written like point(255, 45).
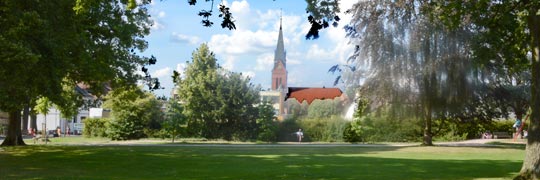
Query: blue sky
point(249, 49)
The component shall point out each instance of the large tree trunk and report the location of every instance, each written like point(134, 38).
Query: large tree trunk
point(531, 164)
point(33, 121)
point(427, 127)
point(429, 89)
point(14, 136)
point(26, 113)
point(428, 109)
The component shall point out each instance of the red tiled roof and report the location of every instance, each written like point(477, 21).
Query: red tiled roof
point(309, 94)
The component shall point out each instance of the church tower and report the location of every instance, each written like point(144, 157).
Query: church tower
point(279, 72)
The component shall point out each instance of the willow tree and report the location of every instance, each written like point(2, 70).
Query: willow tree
point(404, 61)
point(47, 45)
point(509, 34)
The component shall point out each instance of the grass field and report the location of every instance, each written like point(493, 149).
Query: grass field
point(211, 161)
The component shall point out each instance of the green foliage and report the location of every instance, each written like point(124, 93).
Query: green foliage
point(217, 103)
point(125, 126)
point(71, 101)
point(502, 126)
point(266, 121)
point(324, 108)
point(382, 127)
point(133, 112)
point(450, 131)
point(323, 129)
point(47, 45)
point(297, 109)
point(287, 130)
point(95, 127)
point(353, 132)
point(42, 105)
point(417, 68)
point(175, 120)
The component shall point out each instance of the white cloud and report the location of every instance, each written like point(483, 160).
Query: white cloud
point(229, 63)
point(157, 19)
point(162, 72)
point(265, 62)
point(343, 50)
point(249, 74)
point(181, 68)
point(243, 42)
point(161, 14)
point(317, 53)
point(256, 37)
point(157, 25)
point(181, 38)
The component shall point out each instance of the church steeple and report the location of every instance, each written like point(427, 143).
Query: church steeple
point(280, 54)
point(279, 72)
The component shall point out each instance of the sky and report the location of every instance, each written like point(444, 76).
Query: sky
point(177, 32)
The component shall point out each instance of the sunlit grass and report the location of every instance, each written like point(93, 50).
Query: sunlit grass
point(165, 161)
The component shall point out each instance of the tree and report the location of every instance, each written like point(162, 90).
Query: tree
point(506, 24)
point(237, 98)
point(175, 118)
point(46, 45)
point(217, 103)
point(407, 64)
point(197, 93)
point(42, 106)
point(268, 127)
point(132, 111)
point(324, 108)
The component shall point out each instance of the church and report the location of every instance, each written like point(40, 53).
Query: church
point(280, 92)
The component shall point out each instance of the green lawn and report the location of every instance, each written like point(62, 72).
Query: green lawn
point(156, 161)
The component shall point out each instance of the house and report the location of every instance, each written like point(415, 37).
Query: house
point(91, 108)
point(3, 122)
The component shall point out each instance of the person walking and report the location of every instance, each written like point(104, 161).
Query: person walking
point(300, 135)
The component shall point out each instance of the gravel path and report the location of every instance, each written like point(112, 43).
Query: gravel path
point(157, 142)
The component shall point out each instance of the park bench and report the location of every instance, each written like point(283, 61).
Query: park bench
point(502, 135)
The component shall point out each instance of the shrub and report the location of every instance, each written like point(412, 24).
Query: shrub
point(95, 127)
point(502, 126)
point(287, 130)
point(353, 132)
point(382, 129)
point(126, 126)
point(323, 129)
point(266, 122)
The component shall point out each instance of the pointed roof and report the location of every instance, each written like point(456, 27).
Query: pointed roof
point(280, 49)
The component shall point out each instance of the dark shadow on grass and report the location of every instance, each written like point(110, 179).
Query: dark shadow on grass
point(236, 162)
point(496, 145)
point(508, 145)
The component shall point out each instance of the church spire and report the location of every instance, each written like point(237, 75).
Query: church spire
point(280, 49)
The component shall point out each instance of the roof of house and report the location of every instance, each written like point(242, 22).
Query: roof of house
point(309, 94)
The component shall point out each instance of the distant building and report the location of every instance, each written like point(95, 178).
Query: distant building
point(3, 122)
point(54, 119)
point(280, 91)
point(276, 95)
